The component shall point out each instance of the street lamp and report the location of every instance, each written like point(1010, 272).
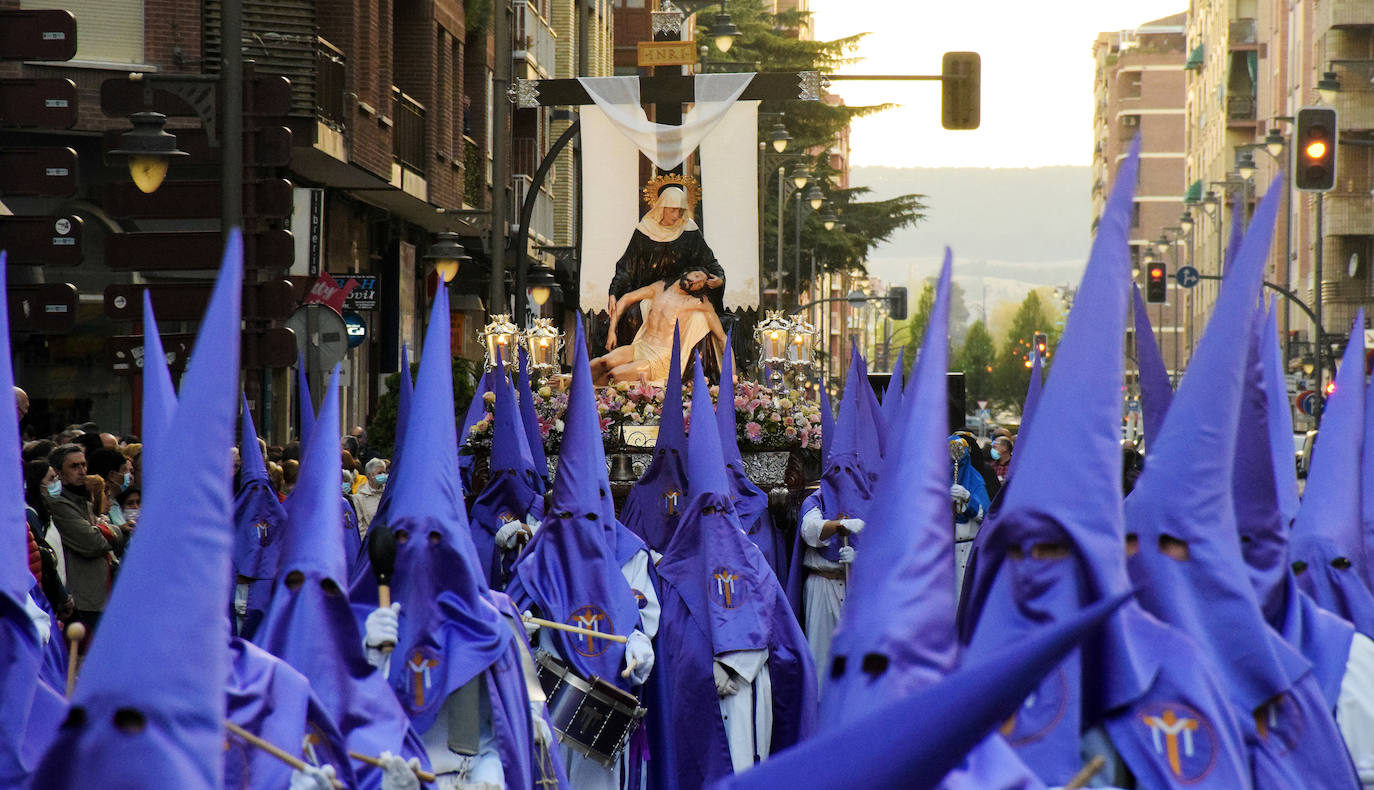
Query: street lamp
point(829, 220)
point(815, 197)
point(1273, 143)
point(723, 30)
point(1245, 165)
point(446, 255)
point(779, 137)
point(149, 148)
point(800, 175)
point(1161, 245)
point(1186, 221)
point(542, 284)
point(1328, 86)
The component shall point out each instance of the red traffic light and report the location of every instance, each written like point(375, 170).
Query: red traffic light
point(1156, 288)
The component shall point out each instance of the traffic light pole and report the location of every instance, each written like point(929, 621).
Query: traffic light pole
point(1317, 312)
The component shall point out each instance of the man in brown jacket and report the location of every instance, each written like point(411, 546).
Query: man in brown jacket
point(90, 544)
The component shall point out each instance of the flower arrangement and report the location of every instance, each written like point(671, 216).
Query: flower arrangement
point(765, 418)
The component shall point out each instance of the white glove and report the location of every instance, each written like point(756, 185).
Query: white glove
point(530, 628)
point(853, 525)
point(846, 554)
point(959, 493)
point(509, 534)
point(542, 735)
point(532, 527)
point(726, 682)
point(41, 622)
point(639, 650)
point(397, 774)
point(313, 778)
point(382, 626)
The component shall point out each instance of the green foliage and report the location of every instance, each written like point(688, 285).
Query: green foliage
point(477, 13)
point(1011, 374)
point(381, 429)
point(768, 42)
point(913, 330)
point(977, 358)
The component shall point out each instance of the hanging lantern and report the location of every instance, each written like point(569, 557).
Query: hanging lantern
point(544, 343)
point(774, 335)
point(499, 337)
point(801, 349)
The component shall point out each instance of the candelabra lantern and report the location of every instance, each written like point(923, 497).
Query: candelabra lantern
point(774, 335)
point(544, 343)
point(801, 351)
point(499, 337)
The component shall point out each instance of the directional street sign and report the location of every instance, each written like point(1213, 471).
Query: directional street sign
point(1186, 276)
point(1308, 402)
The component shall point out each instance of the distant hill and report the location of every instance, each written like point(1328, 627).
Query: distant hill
point(1010, 229)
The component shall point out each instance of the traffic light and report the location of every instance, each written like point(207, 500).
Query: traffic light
point(1041, 344)
point(896, 299)
point(1314, 149)
point(1156, 282)
point(960, 90)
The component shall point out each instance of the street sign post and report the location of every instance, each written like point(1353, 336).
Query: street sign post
point(1187, 276)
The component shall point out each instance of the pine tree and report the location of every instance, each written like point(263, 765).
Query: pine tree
point(977, 358)
point(1012, 369)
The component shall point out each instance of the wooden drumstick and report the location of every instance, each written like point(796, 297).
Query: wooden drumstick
point(572, 629)
point(844, 543)
point(420, 773)
point(1086, 773)
point(76, 632)
point(273, 749)
point(630, 665)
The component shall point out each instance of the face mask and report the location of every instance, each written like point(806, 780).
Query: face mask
point(55, 488)
point(131, 514)
point(347, 489)
point(995, 454)
point(128, 481)
point(381, 479)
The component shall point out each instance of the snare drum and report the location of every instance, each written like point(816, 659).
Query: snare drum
point(592, 716)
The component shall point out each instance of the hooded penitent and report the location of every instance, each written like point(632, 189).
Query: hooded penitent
point(476, 410)
point(148, 708)
point(654, 504)
point(718, 596)
point(569, 573)
point(1156, 393)
point(897, 633)
point(309, 623)
point(751, 503)
point(307, 406)
point(259, 520)
point(515, 489)
point(451, 630)
point(534, 437)
point(1059, 541)
point(30, 709)
point(159, 398)
point(1326, 547)
point(1322, 637)
point(848, 474)
point(913, 742)
point(1189, 566)
point(892, 396)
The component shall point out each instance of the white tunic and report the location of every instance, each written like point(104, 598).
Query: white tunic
point(1355, 707)
point(748, 713)
point(822, 597)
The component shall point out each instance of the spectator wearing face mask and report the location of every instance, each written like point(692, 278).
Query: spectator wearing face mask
point(1000, 453)
point(124, 512)
point(369, 493)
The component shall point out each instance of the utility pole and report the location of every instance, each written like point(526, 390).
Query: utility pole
point(500, 172)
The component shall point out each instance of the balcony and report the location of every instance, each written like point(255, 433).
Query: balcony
point(525, 156)
point(1240, 108)
point(331, 107)
point(541, 223)
point(1341, 13)
point(535, 41)
point(1348, 215)
point(408, 136)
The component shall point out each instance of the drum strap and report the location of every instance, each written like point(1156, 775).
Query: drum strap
point(463, 709)
point(532, 685)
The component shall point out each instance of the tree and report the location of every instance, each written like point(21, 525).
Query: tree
point(977, 358)
point(1011, 371)
point(381, 429)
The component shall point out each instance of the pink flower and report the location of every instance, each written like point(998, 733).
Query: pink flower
point(790, 433)
point(754, 431)
point(788, 421)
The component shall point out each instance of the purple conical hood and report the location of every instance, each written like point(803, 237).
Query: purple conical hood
point(314, 545)
point(1028, 407)
point(182, 555)
point(892, 398)
point(1263, 529)
point(476, 406)
point(848, 475)
point(577, 486)
point(725, 405)
point(872, 424)
point(705, 462)
point(1237, 236)
point(1071, 490)
point(1280, 419)
point(534, 438)
point(1366, 484)
point(901, 598)
point(672, 431)
point(252, 465)
point(1185, 492)
point(510, 450)
point(827, 424)
point(1327, 542)
point(1155, 391)
point(653, 507)
point(307, 415)
point(159, 398)
point(15, 579)
point(404, 395)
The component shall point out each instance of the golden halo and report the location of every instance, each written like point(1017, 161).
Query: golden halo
point(660, 182)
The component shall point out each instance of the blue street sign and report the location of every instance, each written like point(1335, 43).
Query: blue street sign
point(357, 329)
point(1186, 276)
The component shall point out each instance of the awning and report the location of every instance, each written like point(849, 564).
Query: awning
point(1194, 58)
point(1194, 193)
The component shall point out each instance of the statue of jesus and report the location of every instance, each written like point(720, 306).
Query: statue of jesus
point(679, 303)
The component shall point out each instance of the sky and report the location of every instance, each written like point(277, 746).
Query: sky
point(1037, 76)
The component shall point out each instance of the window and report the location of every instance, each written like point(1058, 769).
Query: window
point(1130, 85)
point(107, 31)
point(1135, 215)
